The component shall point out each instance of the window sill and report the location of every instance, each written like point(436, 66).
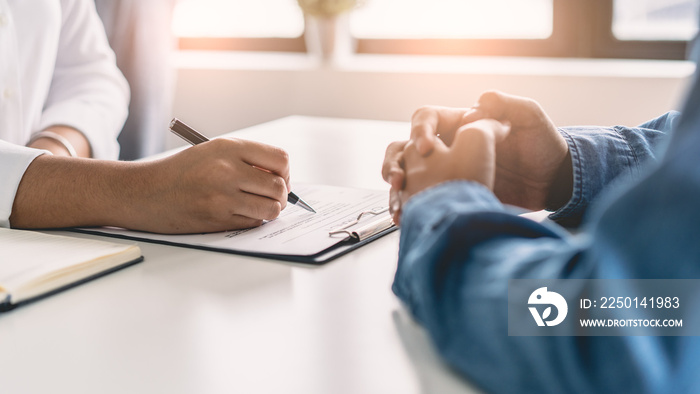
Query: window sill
point(269, 61)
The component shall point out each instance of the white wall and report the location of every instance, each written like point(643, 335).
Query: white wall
point(220, 92)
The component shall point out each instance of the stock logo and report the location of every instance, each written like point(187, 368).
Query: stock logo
point(543, 297)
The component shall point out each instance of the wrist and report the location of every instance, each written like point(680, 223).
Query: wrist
point(52, 142)
point(126, 194)
point(62, 141)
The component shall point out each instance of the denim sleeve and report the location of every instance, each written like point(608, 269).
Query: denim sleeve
point(459, 248)
point(602, 156)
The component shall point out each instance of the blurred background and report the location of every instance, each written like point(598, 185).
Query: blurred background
point(237, 63)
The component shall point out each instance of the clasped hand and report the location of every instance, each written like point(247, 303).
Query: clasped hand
point(507, 143)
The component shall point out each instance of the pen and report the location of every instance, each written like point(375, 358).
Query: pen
point(192, 136)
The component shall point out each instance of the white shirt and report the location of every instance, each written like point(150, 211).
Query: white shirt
point(56, 68)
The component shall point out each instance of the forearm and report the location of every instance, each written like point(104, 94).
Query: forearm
point(442, 226)
point(459, 250)
point(207, 188)
point(60, 192)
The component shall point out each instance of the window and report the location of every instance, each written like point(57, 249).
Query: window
point(531, 19)
point(238, 18)
point(653, 20)
point(266, 25)
point(559, 28)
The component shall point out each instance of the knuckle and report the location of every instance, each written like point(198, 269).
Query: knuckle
point(490, 97)
point(220, 170)
point(423, 110)
point(283, 155)
point(389, 152)
point(279, 186)
point(267, 210)
point(386, 168)
point(254, 223)
point(534, 106)
point(220, 142)
point(224, 146)
point(273, 210)
point(232, 143)
point(393, 151)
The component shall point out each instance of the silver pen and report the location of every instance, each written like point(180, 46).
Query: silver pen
point(192, 136)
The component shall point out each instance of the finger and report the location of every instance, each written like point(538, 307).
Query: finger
point(397, 180)
point(396, 217)
point(412, 157)
point(392, 159)
point(263, 183)
point(502, 106)
point(394, 201)
point(287, 181)
point(264, 156)
point(472, 115)
point(428, 122)
point(488, 131)
point(494, 104)
point(256, 207)
point(395, 206)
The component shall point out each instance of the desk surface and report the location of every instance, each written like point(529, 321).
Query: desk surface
point(190, 321)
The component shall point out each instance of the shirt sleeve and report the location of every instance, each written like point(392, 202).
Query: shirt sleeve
point(88, 92)
point(14, 160)
point(603, 156)
point(460, 247)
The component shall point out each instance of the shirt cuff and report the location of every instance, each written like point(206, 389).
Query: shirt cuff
point(429, 209)
point(14, 160)
point(576, 205)
point(433, 202)
point(598, 156)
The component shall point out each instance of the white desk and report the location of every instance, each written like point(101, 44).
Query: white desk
point(189, 321)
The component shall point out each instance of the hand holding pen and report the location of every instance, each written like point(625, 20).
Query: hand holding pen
point(192, 136)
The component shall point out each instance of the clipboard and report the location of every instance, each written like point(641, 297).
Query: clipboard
point(310, 238)
point(343, 247)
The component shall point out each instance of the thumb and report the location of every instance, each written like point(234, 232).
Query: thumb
point(491, 104)
point(424, 137)
point(502, 106)
point(485, 130)
point(473, 114)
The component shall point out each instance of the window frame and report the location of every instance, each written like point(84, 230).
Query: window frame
point(580, 29)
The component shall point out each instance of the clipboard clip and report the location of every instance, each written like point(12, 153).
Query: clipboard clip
point(367, 230)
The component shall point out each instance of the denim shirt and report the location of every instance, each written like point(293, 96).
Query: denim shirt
point(638, 191)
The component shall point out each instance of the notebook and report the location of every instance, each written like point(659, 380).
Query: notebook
point(35, 265)
point(346, 219)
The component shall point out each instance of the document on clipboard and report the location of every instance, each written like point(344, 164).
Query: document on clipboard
point(346, 219)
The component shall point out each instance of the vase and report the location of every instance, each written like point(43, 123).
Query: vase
point(328, 38)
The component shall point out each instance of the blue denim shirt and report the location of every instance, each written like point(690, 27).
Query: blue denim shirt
point(638, 190)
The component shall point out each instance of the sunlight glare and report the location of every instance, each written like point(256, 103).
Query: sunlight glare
point(238, 18)
point(453, 19)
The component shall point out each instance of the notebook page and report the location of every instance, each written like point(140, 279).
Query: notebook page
point(28, 255)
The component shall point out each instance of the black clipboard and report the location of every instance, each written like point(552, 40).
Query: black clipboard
point(343, 247)
point(360, 228)
point(351, 235)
